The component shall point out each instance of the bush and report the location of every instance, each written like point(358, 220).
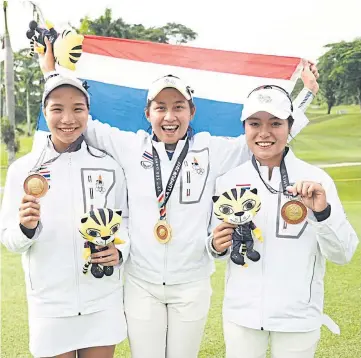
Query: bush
point(8, 135)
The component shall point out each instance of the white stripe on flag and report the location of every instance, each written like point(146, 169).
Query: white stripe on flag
point(218, 86)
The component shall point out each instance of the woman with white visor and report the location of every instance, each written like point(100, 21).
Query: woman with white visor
point(278, 298)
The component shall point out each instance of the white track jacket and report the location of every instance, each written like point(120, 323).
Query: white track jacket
point(284, 290)
point(52, 259)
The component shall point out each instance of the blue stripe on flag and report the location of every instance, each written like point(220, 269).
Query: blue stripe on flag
point(122, 107)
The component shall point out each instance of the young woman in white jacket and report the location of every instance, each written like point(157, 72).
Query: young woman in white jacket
point(171, 177)
point(69, 312)
point(280, 297)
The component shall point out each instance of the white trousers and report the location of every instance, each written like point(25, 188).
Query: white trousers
point(166, 321)
point(244, 342)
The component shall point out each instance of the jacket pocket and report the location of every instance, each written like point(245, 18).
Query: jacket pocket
point(311, 280)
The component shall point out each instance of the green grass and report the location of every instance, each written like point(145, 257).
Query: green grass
point(330, 138)
point(342, 298)
point(25, 147)
point(314, 111)
point(342, 283)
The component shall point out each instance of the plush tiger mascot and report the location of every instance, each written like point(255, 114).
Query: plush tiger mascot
point(67, 46)
point(99, 227)
point(239, 206)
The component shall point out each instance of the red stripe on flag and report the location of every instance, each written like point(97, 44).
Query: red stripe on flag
point(238, 63)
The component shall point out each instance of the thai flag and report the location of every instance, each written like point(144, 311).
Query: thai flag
point(244, 186)
point(148, 156)
point(120, 71)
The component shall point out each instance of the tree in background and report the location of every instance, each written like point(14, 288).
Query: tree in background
point(106, 26)
point(347, 67)
point(27, 89)
point(8, 129)
point(328, 83)
point(340, 69)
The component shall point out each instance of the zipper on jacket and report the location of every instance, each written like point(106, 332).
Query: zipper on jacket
point(165, 263)
point(313, 274)
point(166, 245)
point(263, 273)
point(29, 263)
point(74, 240)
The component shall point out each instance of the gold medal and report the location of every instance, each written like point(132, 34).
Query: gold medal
point(293, 212)
point(162, 231)
point(36, 185)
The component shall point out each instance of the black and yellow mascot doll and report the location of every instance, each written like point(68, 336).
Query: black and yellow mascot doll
point(67, 46)
point(99, 227)
point(239, 206)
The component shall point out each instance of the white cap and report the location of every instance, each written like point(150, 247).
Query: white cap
point(54, 82)
point(271, 100)
point(169, 81)
point(274, 100)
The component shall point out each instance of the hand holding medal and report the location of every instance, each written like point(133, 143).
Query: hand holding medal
point(29, 212)
point(312, 194)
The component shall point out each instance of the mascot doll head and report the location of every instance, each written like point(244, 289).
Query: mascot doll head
point(239, 206)
point(67, 46)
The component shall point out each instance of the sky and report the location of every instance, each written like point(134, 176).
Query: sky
point(280, 27)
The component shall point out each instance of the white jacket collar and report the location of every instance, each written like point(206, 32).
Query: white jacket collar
point(160, 147)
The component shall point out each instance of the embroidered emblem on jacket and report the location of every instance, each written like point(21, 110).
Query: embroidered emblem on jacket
point(148, 162)
point(196, 167)
point(99, 184)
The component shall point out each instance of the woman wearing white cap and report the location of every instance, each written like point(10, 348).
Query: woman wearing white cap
point(70, 313)
point(170, 176)
point(280, 296)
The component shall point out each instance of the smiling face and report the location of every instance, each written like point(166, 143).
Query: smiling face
point(169, 114)
point(66, 112)
point(267, 137)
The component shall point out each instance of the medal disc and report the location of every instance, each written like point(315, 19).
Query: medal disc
point(36, 185)
point(293, 212)
point(162, 231)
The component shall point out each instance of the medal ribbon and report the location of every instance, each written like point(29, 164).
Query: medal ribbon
point(71, 148)
point(163, 196)
point(284, 175)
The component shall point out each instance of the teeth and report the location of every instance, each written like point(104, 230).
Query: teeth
point(170, 128)
point(67, 129)
point(264, 144)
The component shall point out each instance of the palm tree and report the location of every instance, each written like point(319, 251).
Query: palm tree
point(9, 89)
point(27, 87)
point(1, 77)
